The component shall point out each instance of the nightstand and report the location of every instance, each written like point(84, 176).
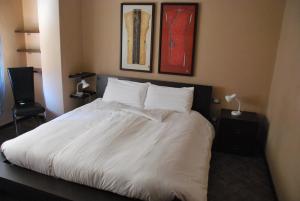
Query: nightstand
point(87, 96)
point(237, 134)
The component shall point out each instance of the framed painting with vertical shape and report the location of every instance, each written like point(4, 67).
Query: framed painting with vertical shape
point(177, 38)
point(137, 20)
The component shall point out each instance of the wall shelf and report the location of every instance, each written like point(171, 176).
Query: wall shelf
point(82, 75)
point(29, 50)
point(27, 31)
point(86, 94)
point(37, 70)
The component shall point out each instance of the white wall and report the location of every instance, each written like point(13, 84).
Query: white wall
point(48, 11)
point(283, 143)
point(10, 19)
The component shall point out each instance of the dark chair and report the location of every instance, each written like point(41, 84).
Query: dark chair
point(22, 85)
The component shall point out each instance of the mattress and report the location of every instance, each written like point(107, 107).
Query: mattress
point(149, 155)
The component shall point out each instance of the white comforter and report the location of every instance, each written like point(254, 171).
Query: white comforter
point(120, 149)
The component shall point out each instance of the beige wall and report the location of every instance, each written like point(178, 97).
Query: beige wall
point(284, 109)
point(71, 47)
point(32, 40)
point(48, 12)
point(235, 50)
point(11, 19)
point(30, 15)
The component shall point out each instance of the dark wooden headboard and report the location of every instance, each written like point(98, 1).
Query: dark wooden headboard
point(202, 93)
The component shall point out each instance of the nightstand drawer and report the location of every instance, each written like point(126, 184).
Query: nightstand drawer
point(236, 128)
point(237, 135)
point(238, 144)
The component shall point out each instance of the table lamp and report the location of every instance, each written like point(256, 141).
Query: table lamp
point(84, 85)
point(231, 97)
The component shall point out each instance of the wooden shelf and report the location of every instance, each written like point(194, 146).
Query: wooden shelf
point(37, 70)
point(27, 31)
point(29, 50)
point(82, 75)
point(86, 94)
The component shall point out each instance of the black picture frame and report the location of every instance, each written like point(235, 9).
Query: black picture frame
point(197, 5)
point(151, 37)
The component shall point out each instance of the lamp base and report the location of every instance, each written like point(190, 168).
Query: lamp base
point(236, 113)
point(78, 94)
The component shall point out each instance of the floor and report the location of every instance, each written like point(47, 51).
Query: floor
point(231, 177)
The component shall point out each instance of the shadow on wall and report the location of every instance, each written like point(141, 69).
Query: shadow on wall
point(2, 84)
point(50, 115)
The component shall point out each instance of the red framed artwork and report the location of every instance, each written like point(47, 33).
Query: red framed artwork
point(177, 38)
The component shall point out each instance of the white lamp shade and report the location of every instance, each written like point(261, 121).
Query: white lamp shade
point(84, 84)
point(229, 98)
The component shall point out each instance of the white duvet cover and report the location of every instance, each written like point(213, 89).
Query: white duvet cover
point(110, 146)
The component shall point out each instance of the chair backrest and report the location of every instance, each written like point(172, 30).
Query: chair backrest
point(22, 84)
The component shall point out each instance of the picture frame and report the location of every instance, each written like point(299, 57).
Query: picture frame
point(137, 31)
point(178, 28)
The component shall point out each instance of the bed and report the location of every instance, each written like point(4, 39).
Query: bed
point(114, 147)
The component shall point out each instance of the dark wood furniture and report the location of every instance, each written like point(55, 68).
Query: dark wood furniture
point(202, 93)
point(88, 95)
point(28, 185)
point(35, 186)
point(22, 84)
point(82, 75)
point(237, 134)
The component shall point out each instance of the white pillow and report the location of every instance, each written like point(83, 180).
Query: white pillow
point(126, 92)
point(169, 98)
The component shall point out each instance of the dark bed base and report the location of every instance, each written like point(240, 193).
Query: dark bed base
point(32, 186)
point(29, 185)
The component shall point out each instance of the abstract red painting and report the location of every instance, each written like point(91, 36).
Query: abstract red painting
point(177, 38)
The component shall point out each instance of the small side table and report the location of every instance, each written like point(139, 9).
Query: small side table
point(237, 134)
point(87, 96)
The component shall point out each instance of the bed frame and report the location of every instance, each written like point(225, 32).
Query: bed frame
point(29, 185)
point(202, 93)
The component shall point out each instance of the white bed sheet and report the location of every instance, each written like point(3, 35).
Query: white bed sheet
point(106, 146)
